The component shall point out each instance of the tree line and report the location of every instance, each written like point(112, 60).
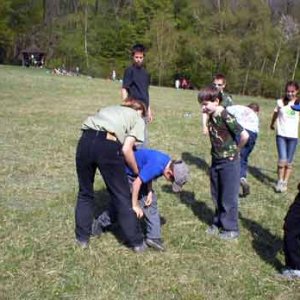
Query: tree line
point(255, 43)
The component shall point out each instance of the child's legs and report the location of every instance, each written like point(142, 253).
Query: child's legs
point(292, 235)
point(214, 189)
point(229, 186)
point(282, 155)
point(151, 218)
point(291, 149)
point(245, 152)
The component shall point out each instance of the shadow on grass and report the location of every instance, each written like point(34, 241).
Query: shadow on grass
point(197, 161)
point(260, 176)
point(264, 242)
point(200, 209)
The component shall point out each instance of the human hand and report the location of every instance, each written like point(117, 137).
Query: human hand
point(205, 130)
point(149, 198)
point(272, 127)
point(139, 212)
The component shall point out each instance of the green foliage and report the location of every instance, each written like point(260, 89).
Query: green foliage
point(241, 39)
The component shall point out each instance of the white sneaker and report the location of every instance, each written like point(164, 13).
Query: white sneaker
point(284, 186)
point(278, 187)
point(290, 274)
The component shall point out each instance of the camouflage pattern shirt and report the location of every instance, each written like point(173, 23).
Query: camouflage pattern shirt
point(226, 100)
point(223, 129)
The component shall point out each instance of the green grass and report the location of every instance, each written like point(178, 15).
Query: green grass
point(40, 119)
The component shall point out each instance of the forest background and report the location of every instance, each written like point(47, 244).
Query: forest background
point(255, 43)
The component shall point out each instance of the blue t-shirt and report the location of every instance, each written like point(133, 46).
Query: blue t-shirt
point(151, 164)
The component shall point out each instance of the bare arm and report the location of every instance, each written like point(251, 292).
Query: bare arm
point(274, 117)
point(243, 139)
point(149, 114)
point(129, 154)
point(204, 123)
point(124, 94)
point(136, 186)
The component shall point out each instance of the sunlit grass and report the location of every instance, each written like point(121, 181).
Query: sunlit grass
point(40, 117)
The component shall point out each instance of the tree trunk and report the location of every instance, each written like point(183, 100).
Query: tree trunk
point(276, 58)
point(296, 63)
point(246, 79)
point(85, 35)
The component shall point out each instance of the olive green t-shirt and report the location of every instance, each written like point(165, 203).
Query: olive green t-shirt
point(120, 120)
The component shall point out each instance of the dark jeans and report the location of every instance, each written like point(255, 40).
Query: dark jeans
point(225, 183)
point(292, 235)
point(245, 152)
point(95, 151)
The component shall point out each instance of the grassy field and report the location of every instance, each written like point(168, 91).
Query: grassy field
point(40, 119)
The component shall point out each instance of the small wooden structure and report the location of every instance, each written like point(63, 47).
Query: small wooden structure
point(33, 56)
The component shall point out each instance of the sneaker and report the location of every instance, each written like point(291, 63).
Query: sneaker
point(212, 230)
point(229, 235)
point(97, 229)
point(155, 244)
point(290, 274)
point(82, 244)
point(284, 186)
point(278, 186)
point(245, 187)
point(140, 248)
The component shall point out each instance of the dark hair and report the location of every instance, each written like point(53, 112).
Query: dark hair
point(294, 84)
point(135, 104)
point(219, 76)
point(138, 48)
point(209, 93)
point(254, 106)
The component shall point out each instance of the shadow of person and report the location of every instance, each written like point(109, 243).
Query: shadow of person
point(264, 242)
point(197, 161)
point(200, 209)
point(260, 176)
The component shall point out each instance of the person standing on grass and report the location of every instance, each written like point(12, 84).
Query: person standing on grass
point(223, 131)
point(136, 83)
point(247, 117)
point(106, 143)
point(287, 123)
point(151, 164)
point(219, 81)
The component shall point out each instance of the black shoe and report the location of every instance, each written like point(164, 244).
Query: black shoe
point(97, 229)
point(245, 187)
point(140, 248)
point(155, 244)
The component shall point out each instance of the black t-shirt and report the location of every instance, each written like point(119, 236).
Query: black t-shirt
point(136, 81)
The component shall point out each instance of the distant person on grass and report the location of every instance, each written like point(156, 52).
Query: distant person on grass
point(247, 117)
point(151, 164)
point(219, 81)
point(106, 144)
point(287, 123)
point(223, 130)
point(136, 83)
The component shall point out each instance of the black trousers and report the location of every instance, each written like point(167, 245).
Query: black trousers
point(95, 151)
point(292, 235)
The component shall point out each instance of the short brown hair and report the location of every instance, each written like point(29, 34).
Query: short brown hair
point(254, 106)
point(219, 76)
point(136, 105)
point(209, 93)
